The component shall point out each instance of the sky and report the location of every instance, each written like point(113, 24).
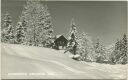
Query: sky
point(106, 20)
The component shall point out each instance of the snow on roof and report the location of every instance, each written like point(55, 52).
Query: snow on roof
point(57, 36)
point(19, 23)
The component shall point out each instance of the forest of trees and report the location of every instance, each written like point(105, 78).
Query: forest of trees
point(95, 51)
point(34, 28)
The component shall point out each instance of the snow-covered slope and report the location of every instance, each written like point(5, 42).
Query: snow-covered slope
point(20, 61)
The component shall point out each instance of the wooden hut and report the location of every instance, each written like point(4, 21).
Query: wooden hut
point(60, 42)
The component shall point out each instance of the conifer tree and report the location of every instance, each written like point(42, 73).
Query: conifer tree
point(73, 30)
point(20, 33)
point(38, 24)
point(100, 53)
point(72, 44)
point(85, 47)
point(120, 53)
point(7, 30)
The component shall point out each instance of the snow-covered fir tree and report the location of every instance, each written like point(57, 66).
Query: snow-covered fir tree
point(115, 52)
point(73, 30)
point(85, 47)
point(7, 29)
point(72, 44)
point(109, 51)
point(19, 33)
point(120, 53)
point(38, 24)
point(124, 57)
point(100, 53)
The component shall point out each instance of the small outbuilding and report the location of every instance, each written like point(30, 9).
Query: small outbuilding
point(60, 42)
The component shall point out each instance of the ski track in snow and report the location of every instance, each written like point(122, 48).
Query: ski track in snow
point(67, 67)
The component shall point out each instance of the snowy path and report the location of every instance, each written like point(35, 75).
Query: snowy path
point(50, 63)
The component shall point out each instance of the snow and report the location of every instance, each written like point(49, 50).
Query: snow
point(110, 46)
point(19, 61)
point(57, 36)
point(120, 70)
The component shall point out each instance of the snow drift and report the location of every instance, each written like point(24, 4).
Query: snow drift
point(25, 62)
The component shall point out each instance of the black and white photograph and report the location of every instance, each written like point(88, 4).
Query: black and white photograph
point(66, 39)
